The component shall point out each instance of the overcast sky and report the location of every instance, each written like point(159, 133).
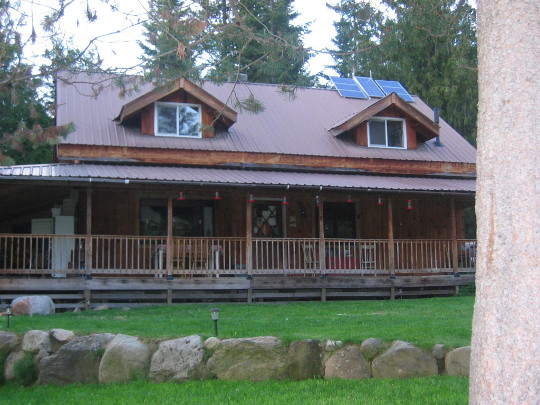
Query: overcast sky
point(121, 49)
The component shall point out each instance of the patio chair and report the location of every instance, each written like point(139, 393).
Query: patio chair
point(368, 257)
point(198, 256)
point(179, 256)
point(310, 257)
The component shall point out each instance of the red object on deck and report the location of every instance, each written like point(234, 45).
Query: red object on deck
point(343, 262)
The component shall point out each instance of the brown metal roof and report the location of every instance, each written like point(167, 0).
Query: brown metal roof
point(298, 126)
point(232, 177)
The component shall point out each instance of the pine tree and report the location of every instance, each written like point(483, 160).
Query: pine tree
point(265, 45)
point(357, 28)
point(24, 116)
point(428, 45)
point(171, 34)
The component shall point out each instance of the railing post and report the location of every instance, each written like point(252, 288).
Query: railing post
point(169, 238)
point(322, 250)
point(454, 242)
point(88, 247)
point(249, 247)
point(391, 263)
point(249, 260)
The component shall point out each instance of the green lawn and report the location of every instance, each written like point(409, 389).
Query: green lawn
point(442, 390)
point(423, 322)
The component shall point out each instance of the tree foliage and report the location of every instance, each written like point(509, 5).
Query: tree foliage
point(24, 113)
point(218, 39)
point(27, 130)
point(428, 45)
point(171, 33)
point(265, 45)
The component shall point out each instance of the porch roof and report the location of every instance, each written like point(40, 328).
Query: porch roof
point(107, 173)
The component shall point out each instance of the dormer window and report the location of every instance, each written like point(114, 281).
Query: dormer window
point(177, 119)
point(387, 133)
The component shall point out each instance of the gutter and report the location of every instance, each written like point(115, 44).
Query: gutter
point(91, 180)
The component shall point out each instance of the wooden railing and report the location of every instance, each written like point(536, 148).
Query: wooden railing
point(466, 249)
point(417, 256)
point(128, 255)
point(61, 255)
point(148, 255)
point(40, 254)
point(357, 256)
point(286, 256)
point(209, 256)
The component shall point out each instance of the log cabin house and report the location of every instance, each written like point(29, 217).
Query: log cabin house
point(177, 193)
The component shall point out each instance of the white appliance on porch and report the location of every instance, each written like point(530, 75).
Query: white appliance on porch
point(61, 248)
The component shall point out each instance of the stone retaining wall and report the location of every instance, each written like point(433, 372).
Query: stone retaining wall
point(63, 358)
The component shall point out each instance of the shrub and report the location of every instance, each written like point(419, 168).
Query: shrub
point(25, 370)
point(468, 290)
point(3, 358)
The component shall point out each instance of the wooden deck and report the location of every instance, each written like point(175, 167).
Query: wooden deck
point(84, 293)
point(86, 271)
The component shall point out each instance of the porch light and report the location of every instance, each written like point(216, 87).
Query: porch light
point(217, 197)
point(251, 199)
point(285, 200)
point(349, 199)
point(181, 196)
point(317, 201)
point(215, 316)
point(8, 313)
point(379, 201)
point(409, 205)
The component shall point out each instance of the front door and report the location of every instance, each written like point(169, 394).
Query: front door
point(339, 220)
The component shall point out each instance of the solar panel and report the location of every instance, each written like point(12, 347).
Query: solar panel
point(348, 88)
point(369, 86)
point(392, 86)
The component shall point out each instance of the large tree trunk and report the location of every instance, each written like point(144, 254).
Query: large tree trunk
point(505, 364)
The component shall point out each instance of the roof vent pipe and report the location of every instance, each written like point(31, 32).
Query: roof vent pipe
point(436, 112)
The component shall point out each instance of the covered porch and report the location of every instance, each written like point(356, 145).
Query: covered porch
point(148, 232)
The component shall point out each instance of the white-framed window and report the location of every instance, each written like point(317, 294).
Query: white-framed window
point(387, 133)
point(177, 119)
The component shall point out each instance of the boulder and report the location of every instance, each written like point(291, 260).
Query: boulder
point(36, 341)
point(330, 345)
point(458, 361)
point(178, 359)
point(439, 353)
point(255, 359)
point(13, 358)
point(125, 359)
point(348, 363)
point(59, 337)
point(370, 348)
point(76, 361)
point(403, 360)
point(8, 341)
point(211, 343)
point(304, 360)
point(33, 305)
point(21, 307)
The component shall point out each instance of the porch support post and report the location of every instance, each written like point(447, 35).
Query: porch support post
point(169, 237)
point(453, 227)
point(391, 264)
point(249, 261)
point(322, 250)
point(88, 246)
